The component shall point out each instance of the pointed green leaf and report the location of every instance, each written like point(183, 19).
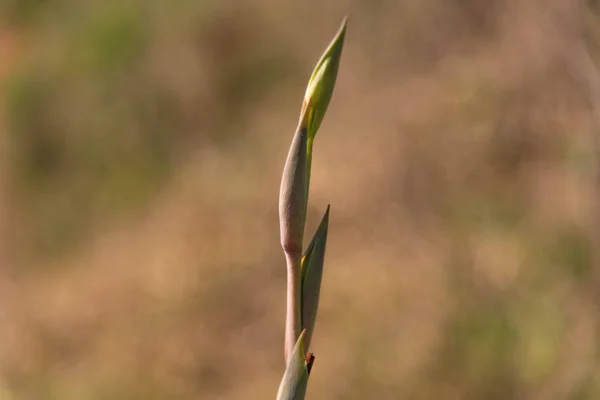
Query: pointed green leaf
point(322, 81)
point(312, 272)
point(307, 256)
point(319, 91)
point(294, 382)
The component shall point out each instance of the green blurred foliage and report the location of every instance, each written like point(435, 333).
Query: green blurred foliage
point(571, 250)
point(94, 131)
point(23, 12)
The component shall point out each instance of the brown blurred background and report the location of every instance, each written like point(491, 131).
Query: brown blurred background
point(141, 148)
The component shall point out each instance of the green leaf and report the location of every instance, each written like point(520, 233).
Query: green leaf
point(294, 382)
point(312, 272)
point(322, 81)
point(319, 91)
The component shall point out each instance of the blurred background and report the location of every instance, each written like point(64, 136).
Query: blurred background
point(141, 149)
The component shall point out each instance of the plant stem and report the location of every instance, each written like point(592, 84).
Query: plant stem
point(293, 323)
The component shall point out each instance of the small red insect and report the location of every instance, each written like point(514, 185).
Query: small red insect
point(310, 359)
